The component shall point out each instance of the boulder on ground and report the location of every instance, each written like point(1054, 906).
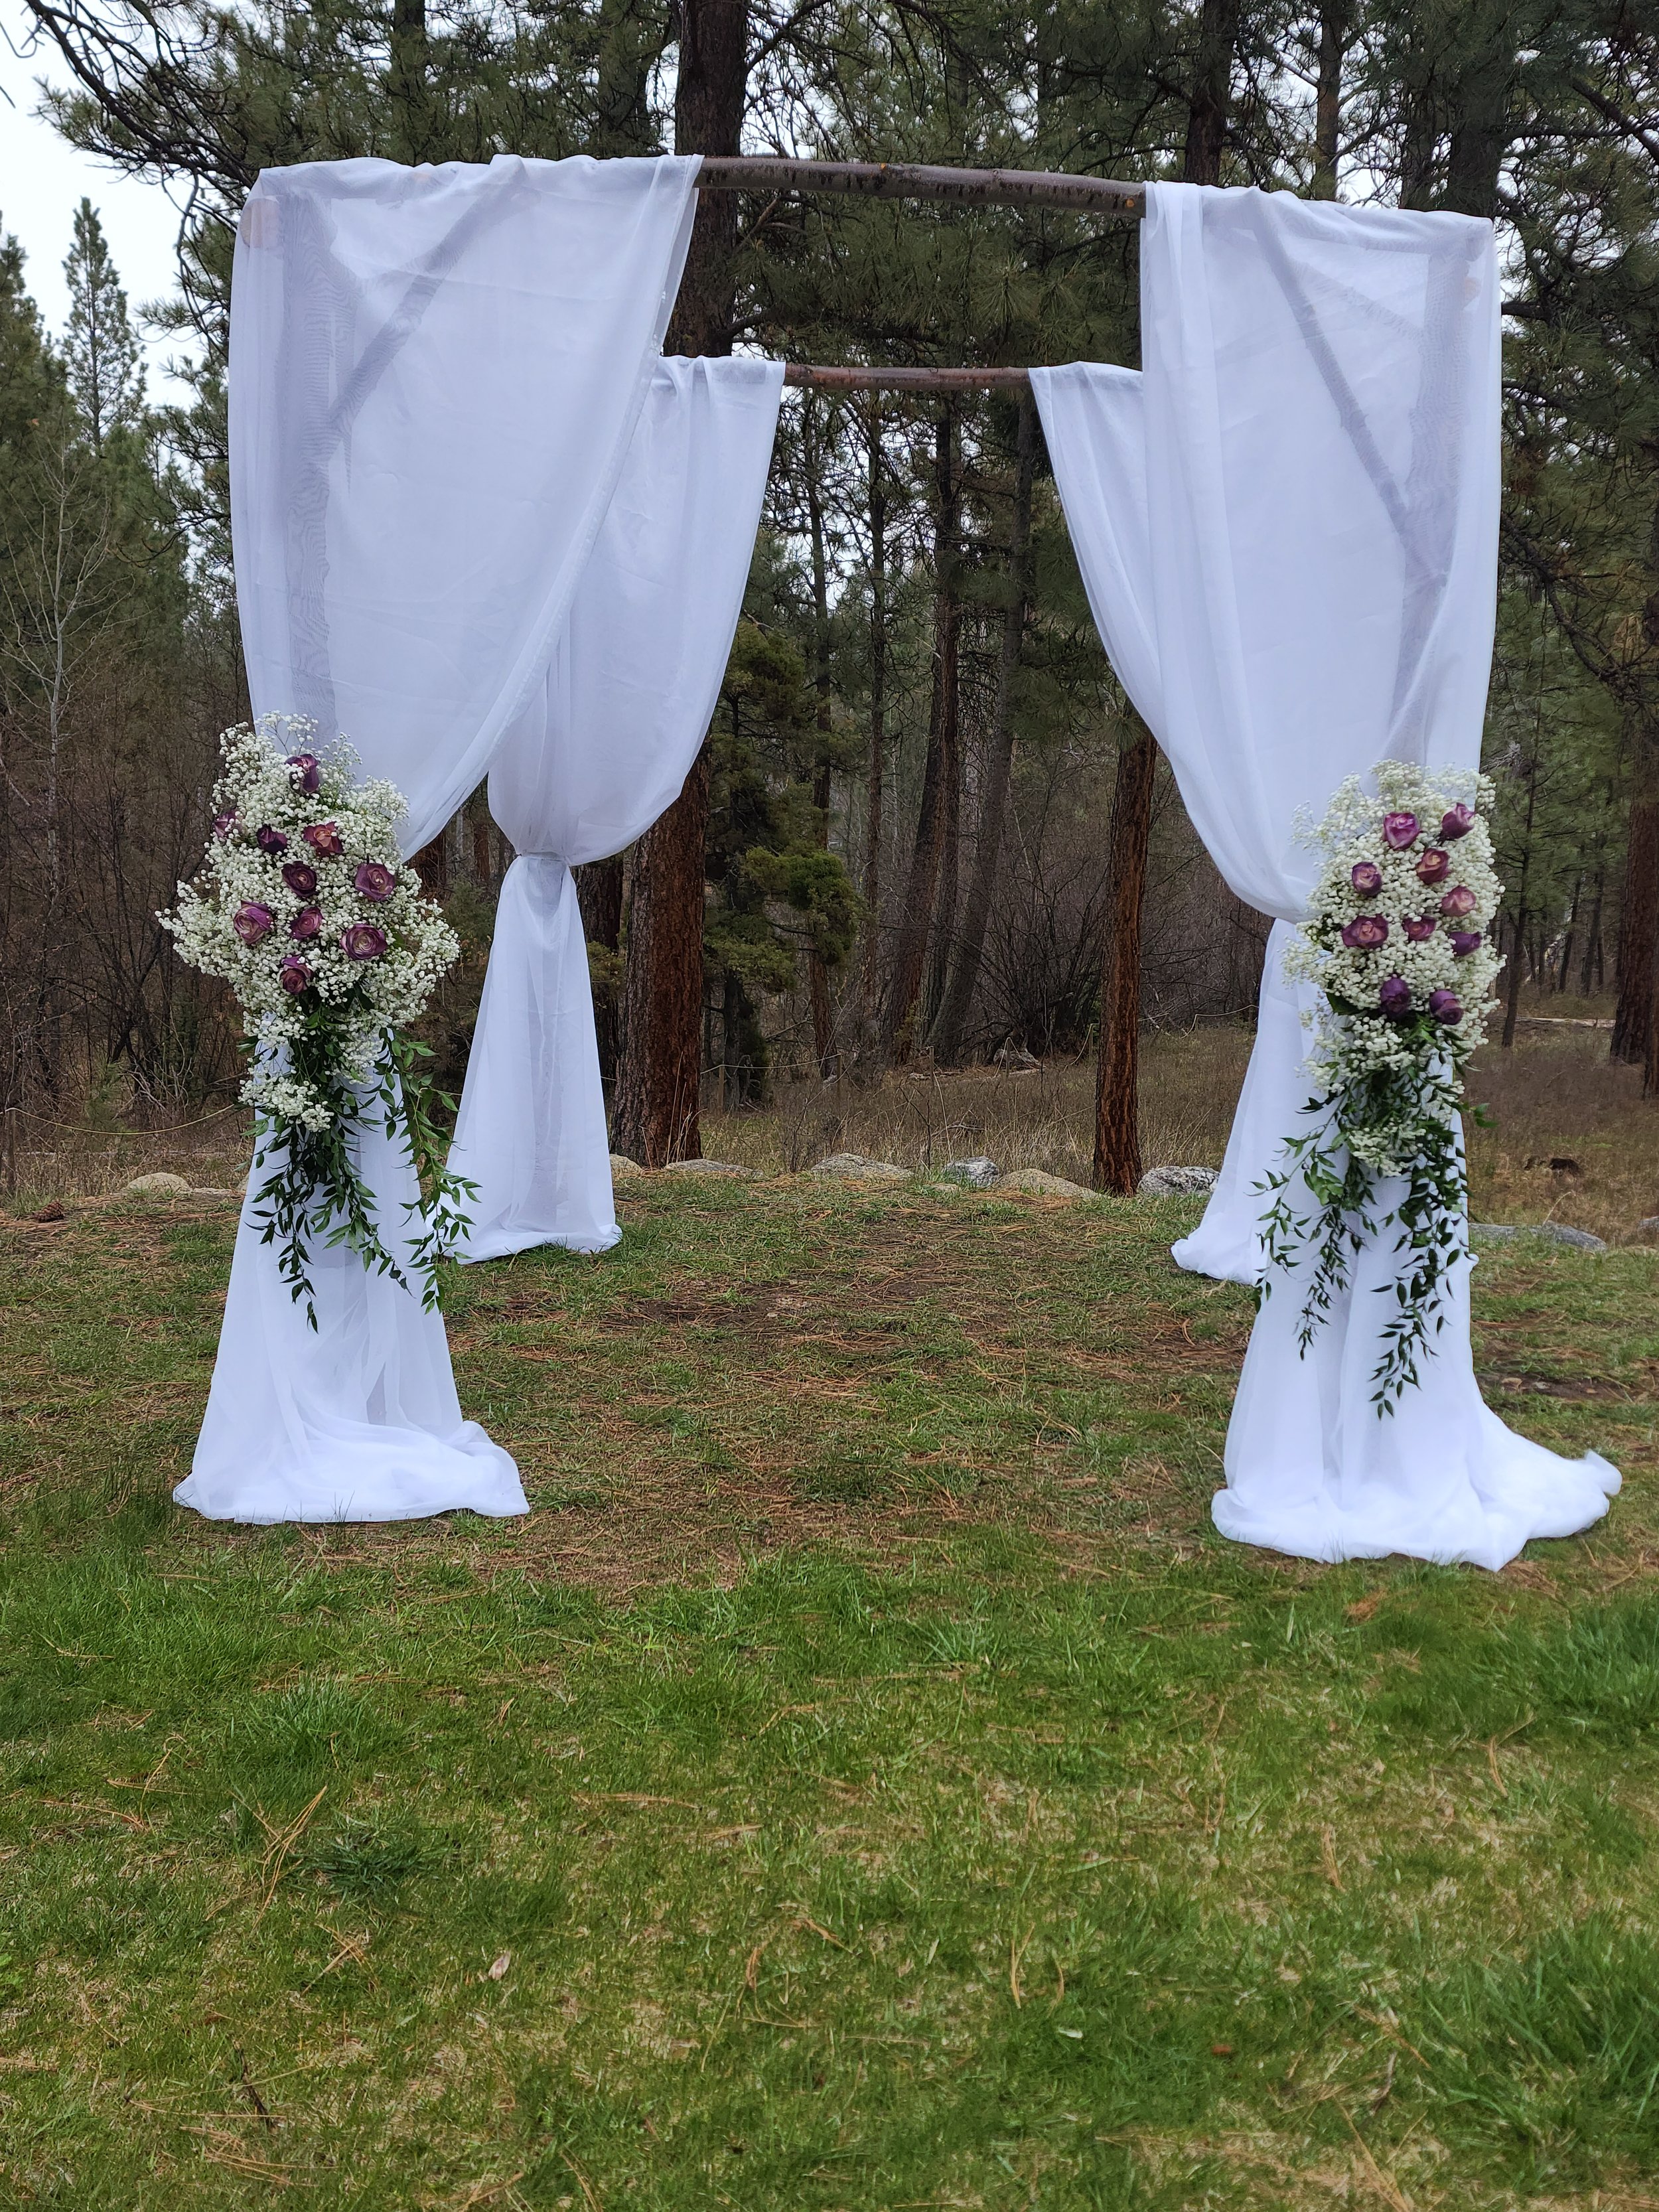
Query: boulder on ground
point(1175, 1182)
point(623, 1169)
point(711, 1168)
point(853, 1167)
point(1558, 1232)
point(1036, 1182)
point(973, 1174)
point(154, 1186)
point(207, 1190)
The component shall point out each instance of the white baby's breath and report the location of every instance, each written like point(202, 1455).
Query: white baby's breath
point(295, 883)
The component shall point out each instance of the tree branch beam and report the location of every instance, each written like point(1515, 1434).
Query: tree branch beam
point(913, 180)
point(806, 376)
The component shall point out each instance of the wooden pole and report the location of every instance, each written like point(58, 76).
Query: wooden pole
point(806, 376)
point(914, 181)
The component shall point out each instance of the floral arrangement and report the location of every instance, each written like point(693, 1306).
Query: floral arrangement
point(1396, 940)
point(303, 907)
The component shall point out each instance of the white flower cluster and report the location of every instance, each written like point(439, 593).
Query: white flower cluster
point(303, 907)
point(1398, 940)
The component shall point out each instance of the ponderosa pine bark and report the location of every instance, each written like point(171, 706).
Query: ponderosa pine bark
point(660, 1075)
point(818, 976)
point(1117, 1118)
point(921, 888)
point(1638, 933)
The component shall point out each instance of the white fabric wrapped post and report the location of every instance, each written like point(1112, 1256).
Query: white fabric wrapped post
point(435, 375)
point(601, 751)
point(1287, 524)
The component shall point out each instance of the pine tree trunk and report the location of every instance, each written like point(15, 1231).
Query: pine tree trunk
point(1117, 1096)
point(1117, 1117)
point(1638, 929)
point(818, 976)
point(953, 1015)
point(875, 776)
point(1328, 96)
point(922, 887)
point(659, 1078)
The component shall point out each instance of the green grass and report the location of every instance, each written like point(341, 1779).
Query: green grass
point(864, 1782)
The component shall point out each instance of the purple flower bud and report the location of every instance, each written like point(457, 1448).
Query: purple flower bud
point(323, 837)
point(307, 922)
point(1366, 932)
point(294, 975)
point(300, 878)
point(1465, 941)
point(363, 941)
point(269, 840)
point(1419, 927)
point(1395, 998)
point(1399, 831)
point(1446, 1007)
point(223, 824)
point(1366, 879)
point(306, 769)
point(374, 883)
point(1434, 867)
point(1457, 822)
point(1458, 901)
point(252, 921)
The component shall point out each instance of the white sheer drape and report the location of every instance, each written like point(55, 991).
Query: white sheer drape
point(602, 750)
point(435, 375)
point(1287, 524)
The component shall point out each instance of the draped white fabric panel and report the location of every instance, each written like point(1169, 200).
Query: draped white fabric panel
point(1288, 527)
point(601, 751)
point(435, 375)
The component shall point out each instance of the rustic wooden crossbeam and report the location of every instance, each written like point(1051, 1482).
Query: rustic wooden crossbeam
point(914, 181)
point(812, 378)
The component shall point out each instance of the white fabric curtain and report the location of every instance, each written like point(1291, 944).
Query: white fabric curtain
point(602, 750)
point(435, 375)
point(1287, 524)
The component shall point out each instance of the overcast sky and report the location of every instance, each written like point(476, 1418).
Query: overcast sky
point(42, 179)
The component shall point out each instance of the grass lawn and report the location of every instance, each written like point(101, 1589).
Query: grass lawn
point(865, 1781)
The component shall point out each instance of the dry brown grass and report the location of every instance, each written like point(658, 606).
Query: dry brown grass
point(1555, 1097)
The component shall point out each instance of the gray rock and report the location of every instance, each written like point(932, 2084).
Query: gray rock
point(1556, 1232)
point(712, 1168)
point(206, 1190)
point(1175, 1182)
point(1036, 1182)
point(853, 1167)
point(1649, 1227)
point(973, 1174)
point(154, 1186)
point(623, 1169)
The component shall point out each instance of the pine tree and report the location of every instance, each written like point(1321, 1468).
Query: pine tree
point(101, 352)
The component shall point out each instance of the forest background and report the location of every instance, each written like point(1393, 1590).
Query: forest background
point(927, 829)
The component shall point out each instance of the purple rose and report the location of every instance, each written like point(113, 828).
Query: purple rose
point(323, 837)
point(1458, 901)
point(374, 883)
point(1366, 879)
point(252, 921)
point(1446, 1007)
point(269, 840)
point(307, 922)
point(1419, 927)
point(294, 975)
point(1399, 831)
point(1364, 932)
point(306, 769)
point(1395, 998)
point(1465, 941)
point(1457, 822)
point(363, 941)
point(1434, 867)
point(301, 878)
point(223, 824)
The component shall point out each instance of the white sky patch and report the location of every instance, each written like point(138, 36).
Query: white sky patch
point(42, 180)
